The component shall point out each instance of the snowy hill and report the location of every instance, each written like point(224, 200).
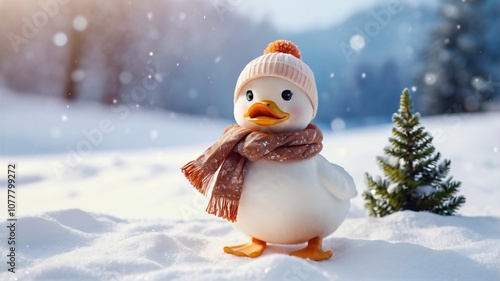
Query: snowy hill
point(123, 211)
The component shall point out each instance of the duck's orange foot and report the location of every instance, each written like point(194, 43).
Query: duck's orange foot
point(251, 249)
point(313, 251)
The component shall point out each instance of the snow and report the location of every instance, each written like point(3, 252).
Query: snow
point(393, 187)
point(425, 190)
point(125, 212)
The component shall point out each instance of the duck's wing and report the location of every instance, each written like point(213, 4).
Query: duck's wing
point(335, 179)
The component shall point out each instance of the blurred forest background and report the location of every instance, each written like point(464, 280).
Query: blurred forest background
point(185, 56)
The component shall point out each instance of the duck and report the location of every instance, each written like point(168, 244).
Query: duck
point(285, 202)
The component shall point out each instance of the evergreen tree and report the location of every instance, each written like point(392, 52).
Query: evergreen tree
point(415, 178)
point(455, 60)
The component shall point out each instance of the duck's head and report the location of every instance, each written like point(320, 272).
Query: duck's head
point(276, 92)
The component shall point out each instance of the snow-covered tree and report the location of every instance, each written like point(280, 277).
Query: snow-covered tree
point(415, 179)
point(454, 60)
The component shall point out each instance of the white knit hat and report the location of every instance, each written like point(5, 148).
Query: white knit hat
point(281, 59)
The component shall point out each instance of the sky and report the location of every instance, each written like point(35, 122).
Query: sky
point(296, 16)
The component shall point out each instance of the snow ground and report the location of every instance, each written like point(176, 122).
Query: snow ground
point(121, 209)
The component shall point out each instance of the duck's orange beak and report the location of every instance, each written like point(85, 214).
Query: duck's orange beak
point(266, 113)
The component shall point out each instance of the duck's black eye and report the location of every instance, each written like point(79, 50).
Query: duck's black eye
point(249, 95)
point(287, 95)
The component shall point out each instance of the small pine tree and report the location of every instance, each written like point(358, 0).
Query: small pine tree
point(414, 178)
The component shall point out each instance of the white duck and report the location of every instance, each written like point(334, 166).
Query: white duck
point(286, 202)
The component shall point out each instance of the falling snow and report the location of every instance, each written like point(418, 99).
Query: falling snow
point(337, 124)
point(430, 78)
point(60, 39)
point(78, 75)
point(357, 42)
point(125, 77)
point(80, 23)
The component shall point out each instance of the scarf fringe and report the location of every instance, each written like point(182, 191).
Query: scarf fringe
point(223, 207)
point(194, 173)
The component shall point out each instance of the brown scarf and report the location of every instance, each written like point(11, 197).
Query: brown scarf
point(231, 152)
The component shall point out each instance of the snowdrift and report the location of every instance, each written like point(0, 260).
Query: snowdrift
point(76, 245)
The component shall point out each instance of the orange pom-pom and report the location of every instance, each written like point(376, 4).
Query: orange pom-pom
point(283, 46)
